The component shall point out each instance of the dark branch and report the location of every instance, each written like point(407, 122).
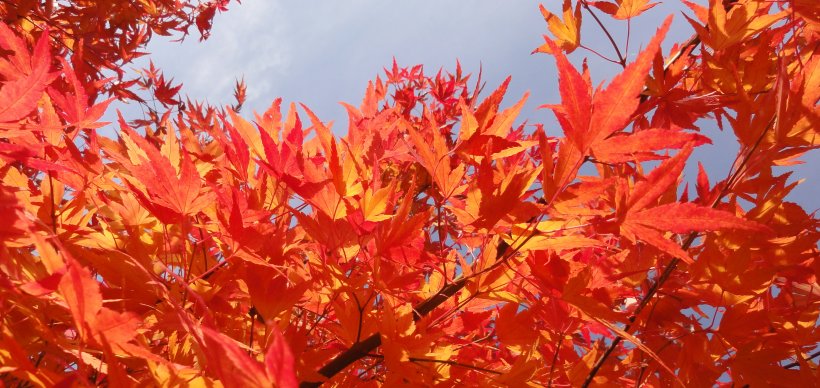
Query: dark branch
point(356, 352)
point(797, 363)
point(361, 349)
point(733, 178)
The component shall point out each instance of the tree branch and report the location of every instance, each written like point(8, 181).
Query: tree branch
point(448, 362)
point(797, 363)
point(361, 349)
point(733, 178)
point(454, 363)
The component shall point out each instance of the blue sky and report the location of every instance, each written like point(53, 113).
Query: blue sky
point(321, 53)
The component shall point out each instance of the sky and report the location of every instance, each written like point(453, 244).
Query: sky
point(322, 53)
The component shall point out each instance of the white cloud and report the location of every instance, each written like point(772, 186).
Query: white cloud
point(248, 40)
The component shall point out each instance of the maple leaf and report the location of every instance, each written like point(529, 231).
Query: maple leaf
point(232, 365)
point(475, 139)
point(436, 160)
point(399, 237)
point(567, 33)
point(688, 217)
point(244, 134)
point(204, 18)
point(75, 105)
point(16, 61)
point(641, 222)
point(263, 281)
point(343, 171)
point(729, 26)
point(610, 109)
point(171, 195)
point(613, 107)
point(624, 9)
point(279, 362)
point(165, 92)
point(20, 95)
point(494, 196)
point(239, 94)
point(417, 248)
point(576, 99)
point(638, 146)
point(648, 191)
point(658, 181)
point(93, 321)
point(374, 204)
point(237, 150)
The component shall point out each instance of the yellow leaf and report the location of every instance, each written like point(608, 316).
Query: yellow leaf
point(744, 19)
point(248, 133)
point(568, 32)
point(541, 242)
point(374, 204)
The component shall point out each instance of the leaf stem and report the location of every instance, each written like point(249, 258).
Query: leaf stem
point(628, 33)
point(252, 315)
point(555, 359)
point(602, 56)
point(621, 59)
point(53, 210)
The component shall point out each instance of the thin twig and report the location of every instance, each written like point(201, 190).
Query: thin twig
point(361, 349)
point(448, 362)
point(672, 264)
point(53, 209)
point(252, 315)
point(364, 347)
point(797, 363)
point(454, 363)
point(555, 358)
point(621, 59)
point(602, 56)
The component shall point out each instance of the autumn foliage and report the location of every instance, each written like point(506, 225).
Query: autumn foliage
point(440, 241)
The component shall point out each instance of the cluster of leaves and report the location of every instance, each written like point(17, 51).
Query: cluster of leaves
point(100, 37)
point(436, 243)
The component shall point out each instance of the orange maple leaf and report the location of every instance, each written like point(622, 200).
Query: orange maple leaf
point(727, 27)
point(235, 368)
point(94, 322)
point(641, 221)
point(168, 195)
point(624, 9)
point(19, 96)
point(567, 33)
point(610, 109)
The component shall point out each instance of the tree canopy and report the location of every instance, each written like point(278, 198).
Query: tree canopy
point(438, 242)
